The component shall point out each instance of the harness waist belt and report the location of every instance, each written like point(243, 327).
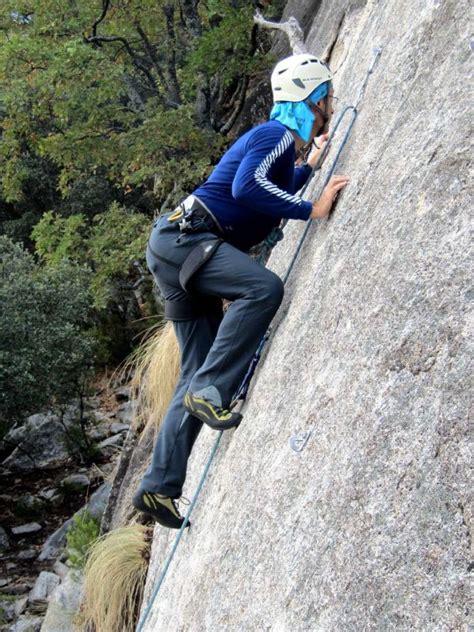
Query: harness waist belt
point(193, 216)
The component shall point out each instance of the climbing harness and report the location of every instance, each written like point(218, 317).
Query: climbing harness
point(194, 216)
point(300, 439)
point(191, 216)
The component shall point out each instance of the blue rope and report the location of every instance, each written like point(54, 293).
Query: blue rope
point(179, 534)
point(243, 389)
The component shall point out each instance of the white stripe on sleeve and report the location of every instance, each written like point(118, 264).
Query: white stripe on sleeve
point(264, 167)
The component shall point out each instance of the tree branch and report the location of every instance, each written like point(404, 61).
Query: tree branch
point(243, 93)
point(105, 8)
point(291, 28)
point(96, 39)
point(173, 85)
point(150, 51)
point(189, 11)
point(99, 39)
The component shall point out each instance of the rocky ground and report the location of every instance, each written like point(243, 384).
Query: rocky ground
point(49, 472)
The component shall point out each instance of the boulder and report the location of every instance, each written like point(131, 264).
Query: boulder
point(122, 394)
point(117, 426)
point(16, 589)
point(47, 494)
point(43, 586)
point(57, 499)
point(100, 432)
point(28, 554)
point(56, 542)
point(102, 417)
point(4, 541)
point(369, 526)
point(98, 500)
point(27, 529)
point(61, 569)
point(126, 411)
point(27, 624)
point(64, 604)
point(29, 506)
point(20, 605)
point(40, 443)
point(111, 446)
point(75, 482)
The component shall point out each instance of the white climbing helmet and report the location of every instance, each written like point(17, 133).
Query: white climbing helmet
point(295, 77)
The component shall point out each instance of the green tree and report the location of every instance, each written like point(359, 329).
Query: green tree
point(112, 247)
point(45, 354)
point(109, 113)
point(137, 90)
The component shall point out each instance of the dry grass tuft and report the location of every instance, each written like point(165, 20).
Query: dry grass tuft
point(115, 576)
point(155, 369)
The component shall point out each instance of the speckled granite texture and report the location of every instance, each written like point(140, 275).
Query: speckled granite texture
point(369, 527)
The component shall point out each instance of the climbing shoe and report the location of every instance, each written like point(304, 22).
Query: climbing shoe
point(214, 416)
point(162, 508)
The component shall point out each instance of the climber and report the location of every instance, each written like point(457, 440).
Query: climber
point(198, 256)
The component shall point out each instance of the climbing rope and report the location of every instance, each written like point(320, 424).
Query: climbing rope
point(243, 389)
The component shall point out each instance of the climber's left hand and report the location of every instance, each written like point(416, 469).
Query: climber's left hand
point(319, 143)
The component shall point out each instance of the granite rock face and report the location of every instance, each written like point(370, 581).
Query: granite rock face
point(369, 527)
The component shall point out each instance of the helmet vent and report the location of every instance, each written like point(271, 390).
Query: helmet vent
point(282, 71)
point(298, 83)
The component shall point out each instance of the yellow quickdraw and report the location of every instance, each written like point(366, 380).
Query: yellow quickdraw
point(176, 215)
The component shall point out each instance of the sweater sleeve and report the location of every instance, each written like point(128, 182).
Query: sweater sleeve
point(302, 174)
point(253, 188)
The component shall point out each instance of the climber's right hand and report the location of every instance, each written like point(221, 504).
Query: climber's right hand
point(322, 207)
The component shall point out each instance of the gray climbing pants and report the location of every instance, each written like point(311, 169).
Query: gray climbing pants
point(216, 349)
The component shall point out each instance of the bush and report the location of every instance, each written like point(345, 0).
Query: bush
point(45, 353)
point(80, 537)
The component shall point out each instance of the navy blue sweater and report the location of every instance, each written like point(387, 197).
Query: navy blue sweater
point(253, 186)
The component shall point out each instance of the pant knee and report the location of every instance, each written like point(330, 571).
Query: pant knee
point(273, 290)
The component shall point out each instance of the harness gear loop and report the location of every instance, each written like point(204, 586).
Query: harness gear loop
point(197, 258)
point(177, 214)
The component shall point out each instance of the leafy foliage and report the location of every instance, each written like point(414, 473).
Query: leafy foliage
point(225, 49)
point(82, 534)
point(120, 98)
point(108, 246)
point(45, 354)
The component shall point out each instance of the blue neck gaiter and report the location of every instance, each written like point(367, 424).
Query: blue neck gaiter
point(298, 116)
